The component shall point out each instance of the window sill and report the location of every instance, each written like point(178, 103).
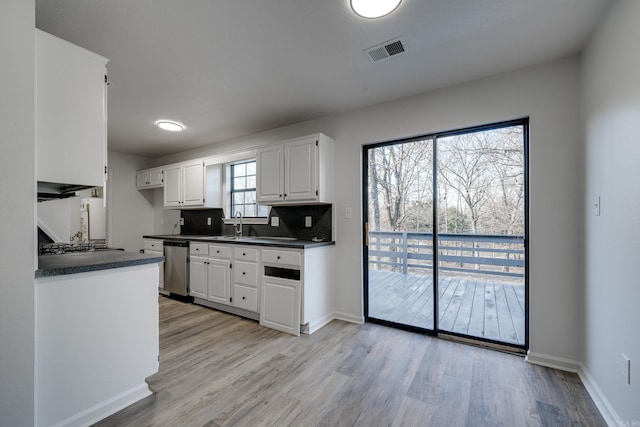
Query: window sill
point(245, 221)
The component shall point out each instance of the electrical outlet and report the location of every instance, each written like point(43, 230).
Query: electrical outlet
point(307, 221)
point(209, 221)
point(625, 368)
point(275, 221)
point(181, 221)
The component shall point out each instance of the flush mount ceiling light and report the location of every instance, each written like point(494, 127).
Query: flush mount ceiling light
point(374, 8)
point(169, 125)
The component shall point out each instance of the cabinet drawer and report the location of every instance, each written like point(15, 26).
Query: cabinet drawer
point(281, 257)
point(198, 249)
point(246, 254)
point(216, 251)
point(245, 297)
point(154, 245)
point(245, 273)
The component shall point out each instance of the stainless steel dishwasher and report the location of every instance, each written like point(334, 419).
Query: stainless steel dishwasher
point(176, 268)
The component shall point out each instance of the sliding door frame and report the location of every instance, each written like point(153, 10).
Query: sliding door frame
point(524, 122)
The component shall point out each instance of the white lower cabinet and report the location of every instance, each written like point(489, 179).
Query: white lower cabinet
point(198, 277)
point(219, 272)
point(285, 288)
point(280, 304)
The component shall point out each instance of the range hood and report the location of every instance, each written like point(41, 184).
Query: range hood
point(54, 190)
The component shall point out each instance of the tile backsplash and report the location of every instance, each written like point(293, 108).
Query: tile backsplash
point(291, 222)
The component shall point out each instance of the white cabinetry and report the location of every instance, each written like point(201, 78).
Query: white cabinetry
point(156, 247)
point(71, 131)
point(219, 272)
point(149, 178)
point(184, 185)
point(296, 289)
point(280, 304)
point(245, 278)
point(296, 171)
point(210, 272)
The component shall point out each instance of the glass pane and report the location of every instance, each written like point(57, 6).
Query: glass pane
point(239, 170)
point(251, 182)
point(251, 168)
point(238, 198)
point(239, 183)
point(250, 197)
point(263, 211)
point(481, 234)
point(400, 218)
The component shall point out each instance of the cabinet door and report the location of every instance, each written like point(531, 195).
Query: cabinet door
point(70, 112)
point(280, 304)
point(172, 186)
point(269, 182)
point(198, 277)
point(219, 289)
point(142, 179)
point(155, 177)
point(159, 253)
point(301, 170)
point(193, 183)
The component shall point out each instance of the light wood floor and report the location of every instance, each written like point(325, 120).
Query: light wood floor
point(468, 305)
point(217, 369)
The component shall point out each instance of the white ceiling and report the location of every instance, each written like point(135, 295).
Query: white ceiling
point(228, 69)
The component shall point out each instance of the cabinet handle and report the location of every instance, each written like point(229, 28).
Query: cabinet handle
point(278, 257)
point(244, 254)
point(244, 297)
point(243, 273)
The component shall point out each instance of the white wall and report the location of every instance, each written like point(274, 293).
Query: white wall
point(17, 213)
point(549, 94)
point(130, 212)
point(611, 109)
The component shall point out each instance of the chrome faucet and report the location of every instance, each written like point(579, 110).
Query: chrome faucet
point(238, 226)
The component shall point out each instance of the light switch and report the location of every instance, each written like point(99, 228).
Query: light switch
point(208, 220)
point(307, 221)
point(347, 213)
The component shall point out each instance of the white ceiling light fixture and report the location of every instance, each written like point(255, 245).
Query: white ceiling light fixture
point(374, 8)
point(169, 125)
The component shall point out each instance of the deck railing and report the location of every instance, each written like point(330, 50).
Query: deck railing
point(499, 255)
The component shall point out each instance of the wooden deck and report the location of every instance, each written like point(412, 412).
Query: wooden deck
point(468, 305)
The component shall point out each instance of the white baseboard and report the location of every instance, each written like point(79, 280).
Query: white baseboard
point(348, 317)
point(553, 362)
point(602, 403)
point(314, 326)
point(102, 410)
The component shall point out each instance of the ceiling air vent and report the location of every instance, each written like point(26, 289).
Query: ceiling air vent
point(386, 50)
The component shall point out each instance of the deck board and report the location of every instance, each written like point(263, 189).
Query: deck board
point(467, 305)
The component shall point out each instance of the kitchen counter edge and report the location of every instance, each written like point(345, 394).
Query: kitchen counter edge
point(83, 262)
point(262, 241)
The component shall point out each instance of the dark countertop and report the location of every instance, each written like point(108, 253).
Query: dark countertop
point(245, 240)
point(82, 262)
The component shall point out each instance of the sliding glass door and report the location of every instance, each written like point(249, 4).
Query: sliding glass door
point(449, 210)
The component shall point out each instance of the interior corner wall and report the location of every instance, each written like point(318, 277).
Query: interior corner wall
point(17, 228)
point(611, 115)
point(549, 95)
point(130, 212)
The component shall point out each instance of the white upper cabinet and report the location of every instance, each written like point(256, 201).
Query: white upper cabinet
point(270, 174)
point(296, 171)
point(149, 178)
point(184, 185)
point(71, 131)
